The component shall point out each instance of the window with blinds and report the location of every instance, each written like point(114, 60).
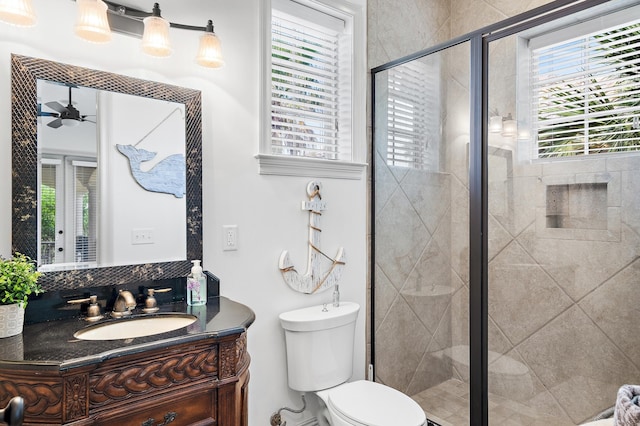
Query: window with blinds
point(68, 209)
point(586, 93)
point(413, 114)
point(306, 85)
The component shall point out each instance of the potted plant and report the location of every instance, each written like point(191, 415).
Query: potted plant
point(18, 279)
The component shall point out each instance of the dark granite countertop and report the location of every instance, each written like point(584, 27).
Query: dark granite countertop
point(52, 345)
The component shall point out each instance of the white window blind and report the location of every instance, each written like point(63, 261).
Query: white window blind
point(85, 215)
point(586, 93)
point(413, 106)
point(47, 205)
point(305, 107)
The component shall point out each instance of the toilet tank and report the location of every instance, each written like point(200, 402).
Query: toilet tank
point(319, 342)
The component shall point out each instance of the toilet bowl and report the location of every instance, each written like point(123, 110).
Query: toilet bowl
point(365, 403)
point(319, 342)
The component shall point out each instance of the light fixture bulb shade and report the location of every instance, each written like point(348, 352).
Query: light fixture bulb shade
point(210, 51)
point(70, 122)
point(495, 124)
point(155, 39)
point(17, 12)
point(91, 23)
point(509, 127)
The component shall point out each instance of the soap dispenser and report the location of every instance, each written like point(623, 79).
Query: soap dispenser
point(196, 285)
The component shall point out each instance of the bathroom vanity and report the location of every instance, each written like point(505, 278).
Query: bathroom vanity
point(194, 375)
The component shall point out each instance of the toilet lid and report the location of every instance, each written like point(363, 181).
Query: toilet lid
point(373, 404)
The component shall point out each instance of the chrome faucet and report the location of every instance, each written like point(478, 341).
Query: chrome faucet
point(123, 305)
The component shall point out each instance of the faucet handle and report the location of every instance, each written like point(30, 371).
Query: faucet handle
point(150, 303)
point(76, 301)
point(93, 311)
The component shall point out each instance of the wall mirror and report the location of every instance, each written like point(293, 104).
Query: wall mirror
point(115, 112)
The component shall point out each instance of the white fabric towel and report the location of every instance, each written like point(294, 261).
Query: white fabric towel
point(627, 411)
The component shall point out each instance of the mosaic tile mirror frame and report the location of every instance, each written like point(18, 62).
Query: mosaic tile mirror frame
point(25, 71)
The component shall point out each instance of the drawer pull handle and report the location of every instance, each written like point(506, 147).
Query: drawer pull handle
point(168, 418)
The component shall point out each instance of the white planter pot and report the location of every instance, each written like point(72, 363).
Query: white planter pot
point(11, 320)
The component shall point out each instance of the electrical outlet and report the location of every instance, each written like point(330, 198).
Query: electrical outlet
point(229, 237)
point(142, 236)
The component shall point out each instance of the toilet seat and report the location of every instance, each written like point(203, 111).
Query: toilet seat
point(365, 403)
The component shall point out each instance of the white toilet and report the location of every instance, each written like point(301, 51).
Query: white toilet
point(320, 359)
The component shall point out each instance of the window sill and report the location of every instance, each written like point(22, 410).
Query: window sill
point(309, 167)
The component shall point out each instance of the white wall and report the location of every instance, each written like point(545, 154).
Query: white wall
point(123, 200)
point(265, 208)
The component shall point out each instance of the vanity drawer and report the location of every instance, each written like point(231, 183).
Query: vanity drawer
point(198, 408)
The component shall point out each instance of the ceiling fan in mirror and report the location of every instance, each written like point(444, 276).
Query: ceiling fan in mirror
point(65, 115)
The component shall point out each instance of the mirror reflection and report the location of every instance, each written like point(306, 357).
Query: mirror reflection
point(108, 163)
point(68, 175)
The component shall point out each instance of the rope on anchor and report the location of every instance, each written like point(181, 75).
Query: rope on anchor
point(314, 193)
point(334, 263)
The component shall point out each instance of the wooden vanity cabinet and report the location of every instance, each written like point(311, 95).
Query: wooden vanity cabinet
point(199, 383)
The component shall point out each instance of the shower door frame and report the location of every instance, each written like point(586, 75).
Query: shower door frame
point(478, 183)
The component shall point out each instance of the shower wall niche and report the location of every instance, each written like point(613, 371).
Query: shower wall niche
point(577, 206)
point(584, 205)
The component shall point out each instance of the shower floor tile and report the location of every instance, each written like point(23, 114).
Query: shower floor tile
point(448, 405)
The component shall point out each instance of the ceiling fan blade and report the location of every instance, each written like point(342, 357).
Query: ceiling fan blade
point(45, 113)
point(90, 121)
point(56, 106)
point(48, 114)
point(55, 123)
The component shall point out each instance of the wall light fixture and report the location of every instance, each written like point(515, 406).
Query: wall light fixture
point(506, 126)
point(97, 19)
point(154, 31)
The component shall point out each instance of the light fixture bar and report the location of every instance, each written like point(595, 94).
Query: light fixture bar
point(128, 21)
point(151, 27)
point(186, 27)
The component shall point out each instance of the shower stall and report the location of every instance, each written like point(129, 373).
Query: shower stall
point(506, 218)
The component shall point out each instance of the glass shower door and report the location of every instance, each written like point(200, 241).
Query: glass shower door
point(421, 231)
point(564, 223)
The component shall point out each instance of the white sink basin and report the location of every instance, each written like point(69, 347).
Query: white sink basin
point(128, 328)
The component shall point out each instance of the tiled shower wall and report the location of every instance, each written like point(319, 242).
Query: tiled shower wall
point(563, 257)
point(563, 300)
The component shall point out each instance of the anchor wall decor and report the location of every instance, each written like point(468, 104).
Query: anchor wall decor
point(322, 271)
